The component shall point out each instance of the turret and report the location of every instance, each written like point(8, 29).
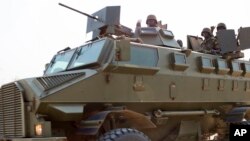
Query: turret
point(104, 22)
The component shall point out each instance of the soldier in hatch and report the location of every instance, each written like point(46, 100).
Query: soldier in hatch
point(220, 26)
point(151, 21)
point(209, 44)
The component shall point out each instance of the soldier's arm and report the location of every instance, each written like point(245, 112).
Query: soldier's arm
point(216, 49)
point(201, 48)
point(212, 29)
point(216, 44)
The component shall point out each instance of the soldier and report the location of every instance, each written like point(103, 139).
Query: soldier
point(151, 21)
point(210, 44)
point(221, 26)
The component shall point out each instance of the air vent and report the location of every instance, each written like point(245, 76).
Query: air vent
point(52, 81)
point(11, 112)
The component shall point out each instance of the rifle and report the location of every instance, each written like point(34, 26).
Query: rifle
point(110, 24)
point(83, 13)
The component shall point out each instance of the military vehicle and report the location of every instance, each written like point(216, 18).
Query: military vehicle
point(115, 89)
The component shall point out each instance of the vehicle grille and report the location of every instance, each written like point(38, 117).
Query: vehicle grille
point(49, 82)
point(11, 112)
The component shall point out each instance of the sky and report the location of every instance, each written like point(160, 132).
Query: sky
point(32, 31)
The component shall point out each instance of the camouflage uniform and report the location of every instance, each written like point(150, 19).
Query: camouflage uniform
point(209, 45)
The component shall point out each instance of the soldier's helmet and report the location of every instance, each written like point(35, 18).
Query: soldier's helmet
point(206, 30)
point(221, 26)
point(151, 17)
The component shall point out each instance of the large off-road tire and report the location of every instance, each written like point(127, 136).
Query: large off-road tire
point(124, 134)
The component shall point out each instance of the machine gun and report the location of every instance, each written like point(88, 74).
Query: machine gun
point(96, 18)
point(104, 22)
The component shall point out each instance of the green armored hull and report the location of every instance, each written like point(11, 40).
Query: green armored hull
point(116, 89)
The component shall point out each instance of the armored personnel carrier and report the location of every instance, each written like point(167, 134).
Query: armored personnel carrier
point(115, 89)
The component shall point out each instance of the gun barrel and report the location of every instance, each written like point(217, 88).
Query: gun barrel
point(90, 16)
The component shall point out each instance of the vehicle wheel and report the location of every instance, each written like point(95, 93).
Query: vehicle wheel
point(124, 134)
